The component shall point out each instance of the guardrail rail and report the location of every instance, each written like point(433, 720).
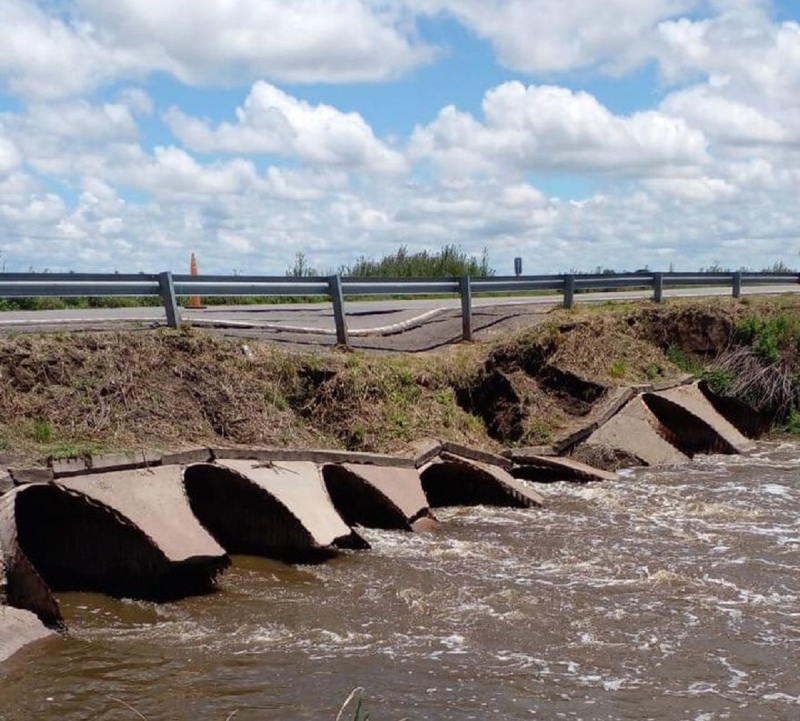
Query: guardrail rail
point(335, 288)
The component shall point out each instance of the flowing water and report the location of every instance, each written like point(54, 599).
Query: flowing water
point(671, 594)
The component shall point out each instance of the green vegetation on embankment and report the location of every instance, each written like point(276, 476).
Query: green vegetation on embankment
point(74, 394)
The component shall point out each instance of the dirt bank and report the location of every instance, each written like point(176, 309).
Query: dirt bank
point(72, 394)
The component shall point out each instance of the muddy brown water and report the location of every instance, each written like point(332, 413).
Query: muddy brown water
point(671, 594)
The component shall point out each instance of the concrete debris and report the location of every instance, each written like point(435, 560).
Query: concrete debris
point(635, 431)
point(550, 468)
point(694, 425)
point(456, 481)
point(377, 497)
point(278, 510)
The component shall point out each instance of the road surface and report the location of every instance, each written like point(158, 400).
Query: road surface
point(424, 324)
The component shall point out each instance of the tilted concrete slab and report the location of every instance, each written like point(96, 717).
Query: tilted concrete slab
point(21, 584)
point(745, 419)
point(634, 431)
point(155, 501)
point(310, 455)
point(185, 457)
point(424, 450)
point(109, 462)
point(455, 481)
point(554, 468)
point(528, 451)
point(682, 380)
point(692, 400)
point(299, 488)
point(21, 476)
point(377, 497)
point(18, 628)
point(126, 533)
point(473, 454)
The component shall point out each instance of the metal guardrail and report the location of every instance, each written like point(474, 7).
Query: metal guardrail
point(170, 287)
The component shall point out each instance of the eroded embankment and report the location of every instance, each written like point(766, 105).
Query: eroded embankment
point(73, 394)
point(610, 388)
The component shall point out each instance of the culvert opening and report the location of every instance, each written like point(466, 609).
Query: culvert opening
point(744, 418)
point(684, 430)
point(456, 484)
point(540, 474)
point(246, 519)
point(359, 503)
point(77, 544)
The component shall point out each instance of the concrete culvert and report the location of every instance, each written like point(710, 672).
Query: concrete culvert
point(684, 430)
point(78, 544)
point(743, 417)
point(21, 584)
point(455, 483)
point(378, 497)
point(241, 505)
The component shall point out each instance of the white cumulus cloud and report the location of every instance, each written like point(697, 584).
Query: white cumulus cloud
point(724, 119)
point(272, 122)
point(538, 36)
point(52, 49)
point(547, 127)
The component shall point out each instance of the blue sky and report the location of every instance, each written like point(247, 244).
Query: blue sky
point(659, 133)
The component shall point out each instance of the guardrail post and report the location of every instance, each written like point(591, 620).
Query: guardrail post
point(465, 289)
point(569, 291)
point(337, 298)
point(737, 284)
point(169, 299)
point(658, 287)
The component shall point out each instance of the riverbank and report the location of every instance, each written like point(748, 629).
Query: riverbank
point(72, 395)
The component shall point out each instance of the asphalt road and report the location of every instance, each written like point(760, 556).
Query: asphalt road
point(386, 324)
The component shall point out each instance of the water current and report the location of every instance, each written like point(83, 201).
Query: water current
point(670, 594)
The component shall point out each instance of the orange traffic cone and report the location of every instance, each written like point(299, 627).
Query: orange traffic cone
point(194, 300)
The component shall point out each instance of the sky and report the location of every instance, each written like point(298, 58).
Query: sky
point(575, 134)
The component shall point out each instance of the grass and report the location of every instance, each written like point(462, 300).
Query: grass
point(41, 430)
point(678, 357)
point(793, 423)
point(68, 395)
point(618, 369)
point(770, 336)
point(63, 451)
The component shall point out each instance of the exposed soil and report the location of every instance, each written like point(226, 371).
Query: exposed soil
point(73, 394)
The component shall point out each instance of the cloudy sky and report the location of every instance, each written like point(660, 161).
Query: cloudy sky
point(573, 133)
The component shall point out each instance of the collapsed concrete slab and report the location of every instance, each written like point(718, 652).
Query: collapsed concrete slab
point(277, 510)
point(746, 420)
point(21, 584)
point(455, 481)
point(637, 432)
point(549, 469)
point(378, 497)
point(127, 533)
point(693, 425)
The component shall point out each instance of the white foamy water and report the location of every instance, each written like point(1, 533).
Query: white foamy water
point(670, 594)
